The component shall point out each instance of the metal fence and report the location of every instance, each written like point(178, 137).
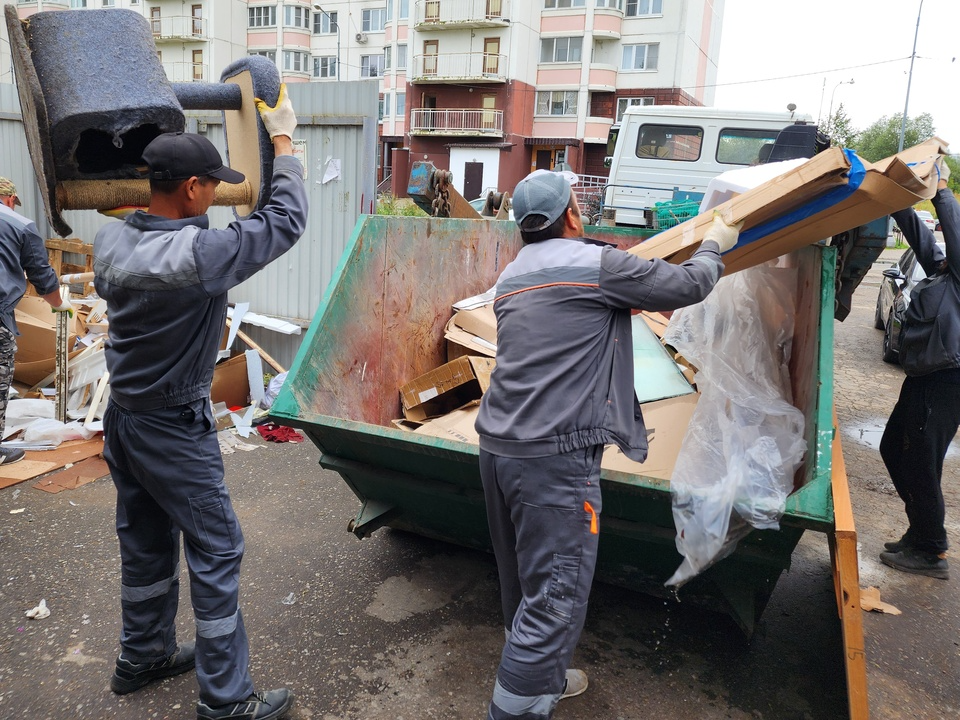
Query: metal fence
point(336, 140)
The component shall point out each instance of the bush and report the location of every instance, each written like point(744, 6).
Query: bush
point(387, 204)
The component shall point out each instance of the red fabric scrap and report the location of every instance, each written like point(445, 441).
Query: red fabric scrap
point(278, 433)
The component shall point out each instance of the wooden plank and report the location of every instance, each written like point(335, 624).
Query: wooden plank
point(72, 246)
point(41, 462)
point(846, 575)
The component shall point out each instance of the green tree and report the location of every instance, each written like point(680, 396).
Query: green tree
point(954, 182)
point(880, 139)
point(839, 128)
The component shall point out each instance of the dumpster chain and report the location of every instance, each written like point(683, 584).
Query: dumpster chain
point(441, 193)
point(840, 242)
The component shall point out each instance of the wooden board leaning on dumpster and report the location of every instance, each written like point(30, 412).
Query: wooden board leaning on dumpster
point(831, 193)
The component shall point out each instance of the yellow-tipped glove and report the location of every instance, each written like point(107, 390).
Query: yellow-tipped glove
point(722, 234)
point(943, 170)
point(279, 119)
point(64, 306)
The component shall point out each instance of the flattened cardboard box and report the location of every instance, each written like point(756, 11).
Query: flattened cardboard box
point(37, 342)
point(481, 321)
point(460, 342)
point(446, 388)
point(829, 194)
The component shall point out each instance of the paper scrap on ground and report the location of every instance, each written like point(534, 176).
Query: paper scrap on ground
point(39, 612)
point(871, 602)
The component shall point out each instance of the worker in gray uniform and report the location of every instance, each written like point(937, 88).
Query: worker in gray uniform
point(563, 388)
point(21, 251)
point(165, 275)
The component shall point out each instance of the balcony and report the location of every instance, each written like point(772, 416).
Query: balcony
point(178, 28)
point(186, 72)
point(476, 67)
point(465, 122)
point(456, 14)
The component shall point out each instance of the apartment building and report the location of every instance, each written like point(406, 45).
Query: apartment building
point(489, 89)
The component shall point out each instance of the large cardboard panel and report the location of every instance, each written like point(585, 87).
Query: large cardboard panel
point(37, 342)
point(230, 383)
point(457, 425)
point(481, 321)
point(666, 422)
point(446, 388)
point(893, 184)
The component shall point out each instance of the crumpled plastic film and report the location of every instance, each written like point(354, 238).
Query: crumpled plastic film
point(745, 440)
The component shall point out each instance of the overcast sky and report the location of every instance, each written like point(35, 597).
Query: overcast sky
point(774, 52)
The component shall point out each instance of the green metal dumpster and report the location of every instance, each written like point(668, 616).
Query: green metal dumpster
point(381, 323)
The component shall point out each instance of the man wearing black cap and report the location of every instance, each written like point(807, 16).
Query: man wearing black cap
point(165, 276)
point(562, 389)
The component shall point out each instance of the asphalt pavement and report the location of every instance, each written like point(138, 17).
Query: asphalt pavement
point(398, 627)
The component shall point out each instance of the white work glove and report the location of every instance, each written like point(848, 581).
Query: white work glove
point(722, 234)
point(64, 306)
point(279, 119)
point(943, 170)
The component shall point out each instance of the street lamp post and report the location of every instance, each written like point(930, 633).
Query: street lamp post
point(913, 55)
point(830, 114)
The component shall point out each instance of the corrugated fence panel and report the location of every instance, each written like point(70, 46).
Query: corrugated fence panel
point(337, 127)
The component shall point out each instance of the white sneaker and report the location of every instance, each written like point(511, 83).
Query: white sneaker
point(576, 684)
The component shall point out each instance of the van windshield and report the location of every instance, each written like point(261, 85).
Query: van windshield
point(670, 142)
point(740, 146)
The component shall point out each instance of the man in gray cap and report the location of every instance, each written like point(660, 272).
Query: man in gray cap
point(165, 275)
point(21, 251)
point(562, 389)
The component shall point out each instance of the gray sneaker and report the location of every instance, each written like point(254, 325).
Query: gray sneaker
point(259, 706)
point(576, 684)
point(917, 562)
point(8, 456)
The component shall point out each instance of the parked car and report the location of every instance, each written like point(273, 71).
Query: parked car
point(892, 300)
point(928, 219)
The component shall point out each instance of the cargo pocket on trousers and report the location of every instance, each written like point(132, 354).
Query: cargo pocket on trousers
point(561, 596)
point(214, 531)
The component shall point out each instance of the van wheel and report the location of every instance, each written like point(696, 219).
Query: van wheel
point(889, 354)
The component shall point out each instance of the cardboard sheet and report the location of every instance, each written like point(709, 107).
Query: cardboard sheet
point(85, 471)
point(833, 192)
point(37, 463)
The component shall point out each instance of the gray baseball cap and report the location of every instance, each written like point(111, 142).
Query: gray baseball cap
point(542, 192)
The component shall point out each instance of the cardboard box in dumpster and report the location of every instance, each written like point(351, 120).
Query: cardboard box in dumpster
point(829, 194)
point(446, 388)
point(460, 343)
point(456, 425)
point(481, 321)
point(37, 343)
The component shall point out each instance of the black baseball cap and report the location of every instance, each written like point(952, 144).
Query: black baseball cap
point(178, 156)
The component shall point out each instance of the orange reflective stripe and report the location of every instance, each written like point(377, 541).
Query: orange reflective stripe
point(594, 525)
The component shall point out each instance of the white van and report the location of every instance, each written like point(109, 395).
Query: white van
point(668, 153)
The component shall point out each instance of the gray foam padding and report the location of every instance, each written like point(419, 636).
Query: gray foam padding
point(105, 91)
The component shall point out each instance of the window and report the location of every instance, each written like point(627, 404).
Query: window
point(197, 66)
point(325, 66)
point(742, 146)
point(196, 12)
point(551, 4)
point(401, 57)
point(371, 65)
point(557, 102)
point(109, 3)
point(624, 103)
point(670, 142)
point(386, 105)
point(401, 104)
point(612, 4)
point(270, 55)
point(155, 24)
point(404, 9)
point(294, 61)
point(296, 17)
point(637, 8)
point(565, 49)
point(325, 23)
point(380, 108)
point(261, 16)
point(389, 10)
point(640, 57)
point(387, 57)
point(78, 3)
point(373, 19)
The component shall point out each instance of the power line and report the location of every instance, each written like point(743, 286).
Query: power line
point(806, 74)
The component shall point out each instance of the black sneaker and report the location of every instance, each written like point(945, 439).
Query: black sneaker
point(259, 706)
point(8, 456)
point(902, 544)
point(917, 562)
point(132, 676)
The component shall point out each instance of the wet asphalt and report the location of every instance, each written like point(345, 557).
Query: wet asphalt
point(398, 627)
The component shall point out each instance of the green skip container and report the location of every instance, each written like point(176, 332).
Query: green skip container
point(381, 324)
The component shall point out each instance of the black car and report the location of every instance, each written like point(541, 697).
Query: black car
point(892, 300)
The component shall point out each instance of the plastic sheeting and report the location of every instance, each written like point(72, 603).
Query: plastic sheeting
point(745, 441)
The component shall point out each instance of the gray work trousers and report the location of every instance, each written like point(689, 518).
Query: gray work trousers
point(544, 521)
point(8, 351)
point(167, 468)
